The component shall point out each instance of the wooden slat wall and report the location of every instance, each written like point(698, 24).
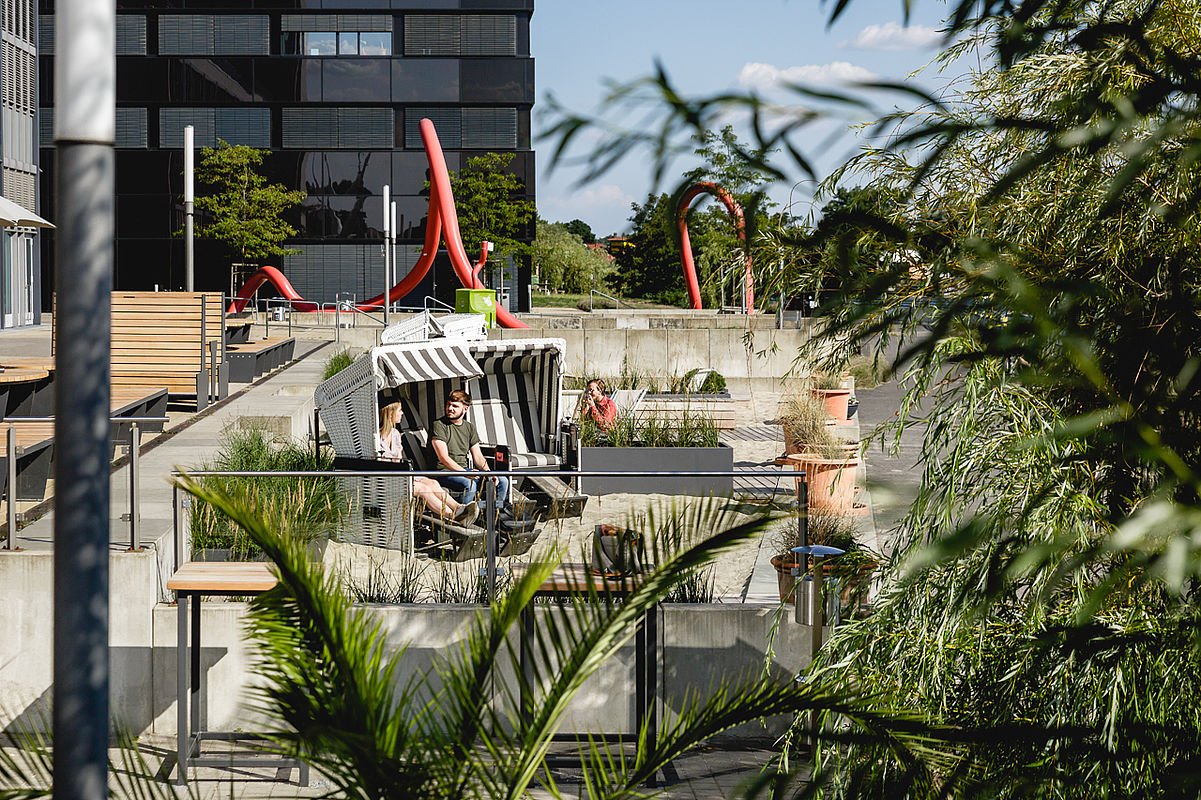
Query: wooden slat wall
point(157, 340)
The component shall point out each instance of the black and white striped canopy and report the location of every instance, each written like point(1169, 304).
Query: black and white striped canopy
point(396, 365)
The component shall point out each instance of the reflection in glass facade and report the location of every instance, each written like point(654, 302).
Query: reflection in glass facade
point(334, 90)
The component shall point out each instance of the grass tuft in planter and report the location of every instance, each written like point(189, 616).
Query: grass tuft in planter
point(314, 504)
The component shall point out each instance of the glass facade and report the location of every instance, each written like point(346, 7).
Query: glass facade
point(334, 90)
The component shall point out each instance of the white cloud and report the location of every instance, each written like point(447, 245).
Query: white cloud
point(894, 36)
point(605, 207)
point(764, 76)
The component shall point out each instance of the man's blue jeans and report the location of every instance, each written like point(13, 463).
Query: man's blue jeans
point(468, 486)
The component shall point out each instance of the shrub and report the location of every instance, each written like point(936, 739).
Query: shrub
point(314, 504)
point(689, 429)
point(336, 363)
point(714, 383)
point(804, 420)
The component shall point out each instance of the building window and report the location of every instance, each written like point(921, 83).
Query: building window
point(205, 34)
point(131, 127)
point(336, 35)
point(247, 126)
point(460, 35)
point(338, 128)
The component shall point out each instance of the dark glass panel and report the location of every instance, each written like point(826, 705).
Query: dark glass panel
point(320, 43)
point(411, 216)
point(375, 43)
point(498, 80)
point(141, 264)
point(356, 80)
point(410, 171)
point(363, 173)
point(145, 216)
point(287, 80)
point(326, 217)
point(355, 3)
point(425, 80)
point(144, 80)
point(291, 43)
point(210, 80)
point(283, 166)
point(423, 5)
point(523, 128)
point(503, 5)
point(46, 81)
point(149, 172)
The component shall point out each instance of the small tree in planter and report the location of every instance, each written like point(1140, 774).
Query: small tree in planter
point(853, 569)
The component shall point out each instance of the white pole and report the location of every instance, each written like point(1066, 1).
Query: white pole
point(85, 81)
point(189, 198)
point(392, 250)
point(387, 257)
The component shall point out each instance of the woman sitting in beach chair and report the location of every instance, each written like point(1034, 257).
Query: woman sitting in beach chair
point(388, 445)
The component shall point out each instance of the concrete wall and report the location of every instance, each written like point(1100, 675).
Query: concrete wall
point(699, 645)
point(749, 351)
point(748, 359)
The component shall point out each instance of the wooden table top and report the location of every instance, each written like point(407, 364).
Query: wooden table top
point(31, 362)
point(222, 577)
point(22, 375)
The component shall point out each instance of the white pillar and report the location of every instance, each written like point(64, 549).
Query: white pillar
point(189, 198)
point(387, 256)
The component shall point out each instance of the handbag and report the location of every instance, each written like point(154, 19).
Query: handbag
point(616, 552)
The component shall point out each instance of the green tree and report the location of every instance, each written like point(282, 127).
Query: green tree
point(241, 210)
point(1035, 245)
point(490, 201)
point(562, 261)
point(581, 229)
point(649, 266)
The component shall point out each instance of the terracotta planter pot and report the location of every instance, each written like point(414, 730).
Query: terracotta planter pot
point(835, 403)
point(831, 482)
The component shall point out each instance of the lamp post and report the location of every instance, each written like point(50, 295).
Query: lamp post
point(85, 80)
point(189, 199)
point(395, 273)
point(387, 254)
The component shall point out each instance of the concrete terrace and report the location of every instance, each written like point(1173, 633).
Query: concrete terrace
point(284, 400)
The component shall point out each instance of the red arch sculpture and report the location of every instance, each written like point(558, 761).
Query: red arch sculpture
point(694, 191)
point(443, 223)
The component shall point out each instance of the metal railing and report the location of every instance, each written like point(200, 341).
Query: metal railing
point(490, 570)
point(135, 444)
point(425, 304)
point(616, 302)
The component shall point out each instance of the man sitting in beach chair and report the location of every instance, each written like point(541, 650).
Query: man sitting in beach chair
point(456, 447)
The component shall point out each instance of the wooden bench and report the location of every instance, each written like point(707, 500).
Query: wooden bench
point(35, 456)
point(249, 361)
point(174, 340)
point(236, 332)
point(26, 391)
point(131, 401)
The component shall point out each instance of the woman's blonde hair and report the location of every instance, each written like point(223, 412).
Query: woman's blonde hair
point(386, 425)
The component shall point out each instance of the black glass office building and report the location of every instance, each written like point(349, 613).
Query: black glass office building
point(334, 89)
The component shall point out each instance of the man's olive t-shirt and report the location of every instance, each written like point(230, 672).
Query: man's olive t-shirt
point(459, 441)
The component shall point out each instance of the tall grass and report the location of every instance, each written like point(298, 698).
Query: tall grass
point(315, 505)
point(336, 363)
point(634, 378)
point(688, 428)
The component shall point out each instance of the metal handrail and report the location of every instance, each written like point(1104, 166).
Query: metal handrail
point(135, 446)
point(425, 303)
point(616, 302)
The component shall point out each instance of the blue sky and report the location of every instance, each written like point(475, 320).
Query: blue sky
point(706, 46)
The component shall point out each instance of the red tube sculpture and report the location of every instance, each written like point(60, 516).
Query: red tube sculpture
point(694, 191)
point(443, 223)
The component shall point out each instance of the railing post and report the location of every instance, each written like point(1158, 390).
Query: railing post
point(317, 434)
point(337, 320)
point(135, 445)
point(11, 454)
point(177, 521)
point(490, 528)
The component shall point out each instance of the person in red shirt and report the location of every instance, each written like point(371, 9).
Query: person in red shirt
point(599, 408)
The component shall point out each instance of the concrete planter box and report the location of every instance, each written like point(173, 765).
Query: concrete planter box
point(658, 459)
